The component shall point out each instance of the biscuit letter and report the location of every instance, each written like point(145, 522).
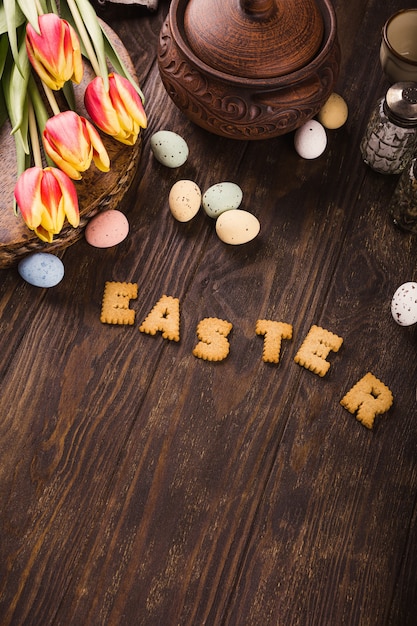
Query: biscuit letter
point(273, 333)
point(314, 349)
point(213, 345)
point(115, 304)
point(369, 397)
point(164, 318)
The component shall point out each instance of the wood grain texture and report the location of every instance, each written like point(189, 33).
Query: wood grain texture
point(142, 486)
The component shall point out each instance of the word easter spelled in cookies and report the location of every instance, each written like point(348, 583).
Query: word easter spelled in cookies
point(367, 398)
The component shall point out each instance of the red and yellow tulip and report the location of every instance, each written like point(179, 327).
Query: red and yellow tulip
point(72, 142)
point(45, 198)
point(55, 52)
point(117, 112)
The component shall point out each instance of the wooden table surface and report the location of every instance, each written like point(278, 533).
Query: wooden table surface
point(141, 485)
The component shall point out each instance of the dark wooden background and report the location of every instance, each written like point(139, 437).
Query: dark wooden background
point(142, 486)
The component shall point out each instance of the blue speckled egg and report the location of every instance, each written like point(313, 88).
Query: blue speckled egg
point(169, 148)
point(222, 197)
point(41, 269)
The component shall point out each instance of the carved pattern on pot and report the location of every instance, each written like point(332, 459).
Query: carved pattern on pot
point(243, 111)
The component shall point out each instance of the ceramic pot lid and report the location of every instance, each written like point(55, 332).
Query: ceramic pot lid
point(254, 38)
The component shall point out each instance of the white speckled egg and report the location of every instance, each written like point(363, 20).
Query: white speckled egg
point(41, 269)
point(222, 197)
point(334, 113)
point(107, 229)
point(404, 304)
point(237, 226)
point(184, 200)
point(169, 148)
point(310, 140)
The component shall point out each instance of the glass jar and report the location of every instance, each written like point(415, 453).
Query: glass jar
point(403, 205)
point(391, 134)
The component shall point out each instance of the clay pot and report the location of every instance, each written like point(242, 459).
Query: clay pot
point(249, 69)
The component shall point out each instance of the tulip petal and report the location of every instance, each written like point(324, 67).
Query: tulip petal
point(63, 165)
point(44, 234)
point(119, 112)
point(100, 155)
point(72, 143)
point(129, 99)
point(52, 218)
point(78, 68)
point(69, 197)
point(28, 196)
point(55, 53)
point(99, 107)
point(45, 198)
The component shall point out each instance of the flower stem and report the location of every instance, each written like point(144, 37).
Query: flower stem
point(51, 99)
point(34, 138)
point(84, 36)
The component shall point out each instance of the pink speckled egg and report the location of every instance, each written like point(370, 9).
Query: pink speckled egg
point(107, 229)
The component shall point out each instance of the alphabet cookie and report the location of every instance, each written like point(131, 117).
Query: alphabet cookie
point(368, 398)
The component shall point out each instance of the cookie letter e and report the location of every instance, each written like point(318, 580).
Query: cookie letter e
point(115, 304)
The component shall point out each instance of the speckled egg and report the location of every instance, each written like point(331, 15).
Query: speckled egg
point(107, 229)
point(404, 304)
point(237, 226)
point(222, 197)
point(310, 140)
point(334, 113)
point(169, 148)
point(184, 200)
point(41, 269)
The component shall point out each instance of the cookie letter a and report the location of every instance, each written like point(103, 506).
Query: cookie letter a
point(164, 318)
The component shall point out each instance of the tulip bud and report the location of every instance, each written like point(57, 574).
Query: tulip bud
point(45, 198)
point(72, 143)
point(55, 53)
point(117, 112)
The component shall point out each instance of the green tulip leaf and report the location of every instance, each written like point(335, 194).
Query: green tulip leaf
point(4, 46)
point(38, 104)
point(50, 6)
point(119, 66)
point(68, 91)
point(23, 157)
point(81, 15)
point(11, 14)
point(3, 110)
point(18, 19)
point(90, 19)
point(15, 85)
point(23, 161)
point(28, 8)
